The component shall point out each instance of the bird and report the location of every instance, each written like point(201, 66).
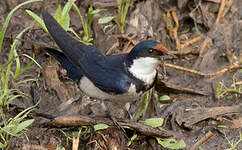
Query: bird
point(121, 78)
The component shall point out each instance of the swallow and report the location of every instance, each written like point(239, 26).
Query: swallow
point(122, 78)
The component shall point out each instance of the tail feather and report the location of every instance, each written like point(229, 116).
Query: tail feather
point(70, 47)
point(72, 71)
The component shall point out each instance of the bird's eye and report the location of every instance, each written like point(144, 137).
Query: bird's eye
point(151, 50)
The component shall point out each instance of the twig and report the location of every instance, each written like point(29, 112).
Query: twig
point(231, 91)
point(228, 4)
point(104, 138)
point(128, 48)
point(189, 117)
point(75, 142)
point(185, 52)
point(173, 31)
point(101, 145)
point(97, 145)
point(238, 83)
point(176, 29)
point(229, 54)
point(162, 86)
point(115, 45)
point(190, 42)
point(215, 1)
point(206, 43)
point(64, 121)
point(202, 140)
point(220, 12)
point(39, 147)
point(203, 74)
point(134, 42)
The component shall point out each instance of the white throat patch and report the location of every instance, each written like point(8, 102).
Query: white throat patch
point(144, 68)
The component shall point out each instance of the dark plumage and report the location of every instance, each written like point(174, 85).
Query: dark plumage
point(72, 71)
point(113, 74)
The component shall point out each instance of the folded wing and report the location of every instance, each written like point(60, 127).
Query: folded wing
point(106, 72)
point(72, 71)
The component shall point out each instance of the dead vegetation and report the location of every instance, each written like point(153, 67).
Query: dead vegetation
point(204, 35)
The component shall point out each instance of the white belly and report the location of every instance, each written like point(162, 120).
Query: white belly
point(91, 90)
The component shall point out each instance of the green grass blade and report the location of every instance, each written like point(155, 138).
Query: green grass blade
point(20, 72)
point(8, 70)
point(126, 10)
point(119, 6)
point(171, 143)
point(5, 24)
point(38, 20)
point(11, 98)
point(58, 13)
point(23, 70)
point(13, 52)
point(81, 17)
point(78, 11)
point(67, 8)
point(33, 59)
point(71, 30)
point(154, 122)
point(104, 20)
point(17, 60)
point(24, 113)
point(23, 125)
point(65, 18)
point(84, 24)
point(143, 106)
point(89, 13)
point(8, 129)
point(96, 11)
point(25, 81)
point(10, 58)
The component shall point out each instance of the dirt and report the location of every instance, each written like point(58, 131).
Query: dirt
point(190, 115)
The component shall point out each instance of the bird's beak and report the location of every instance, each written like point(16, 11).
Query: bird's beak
point(167, 57)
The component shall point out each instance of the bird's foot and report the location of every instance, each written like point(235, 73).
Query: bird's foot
point(116, 124)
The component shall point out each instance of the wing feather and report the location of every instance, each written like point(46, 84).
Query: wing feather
point(106, 72)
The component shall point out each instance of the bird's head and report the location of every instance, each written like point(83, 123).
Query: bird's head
point(144, 58)
point(149, 51)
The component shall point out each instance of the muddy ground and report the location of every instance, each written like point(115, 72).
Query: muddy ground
point(204, 35)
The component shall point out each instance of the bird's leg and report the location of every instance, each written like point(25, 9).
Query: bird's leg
point(115, 122)
point(98, 108)
point(126, 108)
point(112, 113)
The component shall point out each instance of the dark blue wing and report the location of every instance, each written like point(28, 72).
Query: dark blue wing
point(106, 72)
point(108, 75)
point(72, 72)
